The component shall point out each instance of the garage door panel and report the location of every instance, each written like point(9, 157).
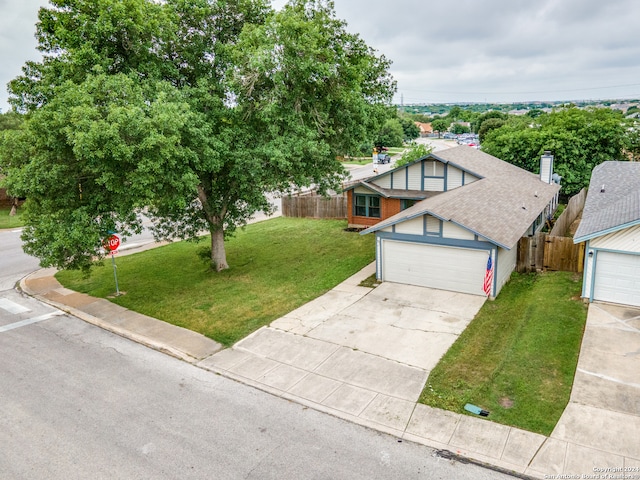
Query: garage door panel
point(617, 278)
point(446, 268)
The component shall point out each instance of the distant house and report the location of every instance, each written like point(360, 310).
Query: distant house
point(425, 129)
point(610, 226)
point(439, 219)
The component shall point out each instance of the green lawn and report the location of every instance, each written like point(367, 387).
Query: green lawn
point(7, 221)
point(276, 266)
point(517, 358)
point(358, 161)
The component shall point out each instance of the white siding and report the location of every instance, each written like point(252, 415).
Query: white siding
point(400, 180)
point(434, 184)
point(468, 178)
point(588, 274)
point(507, 260)
point(415, 177)
point(414, 226)
point(454, 177)
point(446, 268)
point(364, 191)
point(384, 181)
point(450, 230)
point(387, 229)
point(627, 240)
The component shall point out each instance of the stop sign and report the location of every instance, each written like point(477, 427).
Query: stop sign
point(111, 243)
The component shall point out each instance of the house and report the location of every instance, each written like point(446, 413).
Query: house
point(439, 220)
point(610, 226)
point(425, 129)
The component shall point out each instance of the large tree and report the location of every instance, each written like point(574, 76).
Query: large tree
point(578, 139)
point(192, 109)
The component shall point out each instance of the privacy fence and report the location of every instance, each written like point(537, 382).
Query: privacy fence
point(315, 206)
point(555, 250)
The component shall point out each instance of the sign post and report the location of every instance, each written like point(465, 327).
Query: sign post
point(111, 244)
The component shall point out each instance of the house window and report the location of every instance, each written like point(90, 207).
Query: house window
point(433, 226)
point(404, 204)
point(367, 206)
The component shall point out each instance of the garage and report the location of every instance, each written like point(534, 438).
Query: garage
point(617, 278)
point(443, 267)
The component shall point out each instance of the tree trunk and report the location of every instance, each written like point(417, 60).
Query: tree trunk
point(14, 207)
point(218, 253)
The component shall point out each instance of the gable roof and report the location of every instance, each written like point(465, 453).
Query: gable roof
point(500, 206)
point(615, 208)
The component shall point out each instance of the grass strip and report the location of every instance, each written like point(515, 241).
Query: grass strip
point(8, 221)
point(517, 358)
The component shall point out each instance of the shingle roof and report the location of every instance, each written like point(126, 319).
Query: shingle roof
point(618, 206)
point(500, 207)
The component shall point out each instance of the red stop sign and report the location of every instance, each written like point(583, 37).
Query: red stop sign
point(112, 243)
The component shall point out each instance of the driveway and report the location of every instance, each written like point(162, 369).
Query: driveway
point(356, 352)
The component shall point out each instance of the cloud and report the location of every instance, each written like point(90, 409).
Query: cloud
point(468, 50)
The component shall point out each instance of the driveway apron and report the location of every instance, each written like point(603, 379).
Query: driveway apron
point(359, 353)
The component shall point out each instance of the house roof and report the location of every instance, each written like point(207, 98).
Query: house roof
point(500, 206)
point(613, 200)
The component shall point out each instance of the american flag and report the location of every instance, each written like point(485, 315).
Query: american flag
point(488, 277)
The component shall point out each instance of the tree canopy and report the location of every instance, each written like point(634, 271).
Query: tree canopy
point(391, 134)
point(579, 139)
point(414, 153)
point(190, 109)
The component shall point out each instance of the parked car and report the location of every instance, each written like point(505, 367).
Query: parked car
point(383, 158)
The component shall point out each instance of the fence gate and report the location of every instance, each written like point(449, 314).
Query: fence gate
point(546, 252)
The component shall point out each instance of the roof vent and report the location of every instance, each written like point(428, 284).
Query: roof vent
point(602, 189)
point(523, 207)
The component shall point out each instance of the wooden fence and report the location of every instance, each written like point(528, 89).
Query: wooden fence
point(546, 252)
point(315, 206)
point(569, 215)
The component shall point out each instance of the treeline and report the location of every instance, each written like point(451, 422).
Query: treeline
point(579, 138)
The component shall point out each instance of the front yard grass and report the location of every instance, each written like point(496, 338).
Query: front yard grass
point(518, 357)
point(7, 221)
point(275, 267)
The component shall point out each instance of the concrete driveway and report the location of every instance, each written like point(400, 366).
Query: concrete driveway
point(356, 352)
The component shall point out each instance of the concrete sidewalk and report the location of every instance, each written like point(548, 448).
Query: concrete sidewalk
point(286, 360)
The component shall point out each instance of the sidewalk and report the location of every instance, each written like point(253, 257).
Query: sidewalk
point(589, 436)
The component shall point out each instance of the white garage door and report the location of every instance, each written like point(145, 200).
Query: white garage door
point(617, 278)
point(446, 268)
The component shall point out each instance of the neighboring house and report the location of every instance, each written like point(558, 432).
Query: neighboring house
point(611, 227)
point(462, 207)
point(425, 129)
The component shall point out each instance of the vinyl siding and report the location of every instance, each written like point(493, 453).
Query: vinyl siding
point(414, 226)
point(415, 177)
point(450, 230)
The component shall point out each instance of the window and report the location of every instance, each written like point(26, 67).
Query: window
point(404, 204)
point(367, 206)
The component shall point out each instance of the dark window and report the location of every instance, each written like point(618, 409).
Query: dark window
point(404, 204)
point(367, 206)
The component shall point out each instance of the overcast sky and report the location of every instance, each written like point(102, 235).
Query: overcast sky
point(462, 51)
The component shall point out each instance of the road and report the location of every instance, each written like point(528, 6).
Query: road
point(78, 402)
